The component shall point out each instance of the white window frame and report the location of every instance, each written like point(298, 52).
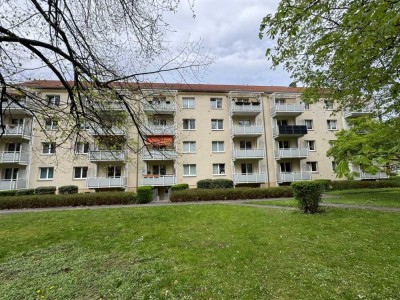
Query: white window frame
point(328, 105)
point(216, 103)
point(51, 124)
point(189, 170)
point(189, 147)
point(48, 173)
point(219, 169)
point(188, 103)
point(329, 124)
point(248, 167)
point(217, 124)
point(82, 172)
point(53, 100)
point(51, 148)
point(115, 170)
point(286, 166)
point(191, 124)
point(311, 122)
point(311, 164)
point(307, 106)
point(82, 148)
point(219, 146)
point(311, 144)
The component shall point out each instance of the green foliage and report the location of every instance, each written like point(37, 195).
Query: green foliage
point(326, 183)
point(365, 184)
point(144, 194)
point(45, 190)
point(179, 187)
point(85, 199)
point(8, 193)
point(215, 184)
point(204, 184)
point(68, 189)
point(25, 192)
point(308, 194)
point(230, 194)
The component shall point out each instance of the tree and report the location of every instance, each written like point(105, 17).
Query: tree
point(99, 50)
point(346, 50)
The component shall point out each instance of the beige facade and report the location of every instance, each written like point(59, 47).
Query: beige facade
point(253, 135)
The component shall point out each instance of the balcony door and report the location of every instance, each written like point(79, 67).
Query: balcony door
point(245, 145)
point(114, 171)
point(14, 147)
point(158, 169)
point(283, 144)
point(10, 173)
point(247, 168)
point(286, 167)
point(282, 122)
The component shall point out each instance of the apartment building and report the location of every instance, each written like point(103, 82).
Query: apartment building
point(254, 135)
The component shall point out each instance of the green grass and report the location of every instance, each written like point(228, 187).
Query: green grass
point(286, 202)
point(199, 252)
point(387, 197)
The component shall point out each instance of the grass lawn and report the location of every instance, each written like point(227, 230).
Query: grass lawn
point(388, 197)
point(199, 252)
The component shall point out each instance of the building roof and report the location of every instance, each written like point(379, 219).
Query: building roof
point(182, 87)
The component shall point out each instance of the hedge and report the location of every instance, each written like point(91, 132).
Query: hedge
point(308, 194)
point(179, 187)
point(215, 184)
point(68, 189)
point(364, 184)
point(204, 184)
point(144, 194)
point(326, 183)
point(45, 190)
point(8, 193)
point(88, 199)
point(25, 192)
point(230, 194)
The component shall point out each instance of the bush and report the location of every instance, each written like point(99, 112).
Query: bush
point(68, 189)
point(222, 184)
point(352, 184)
point(308, 194)
point(179, 187)
point(8, 193)
point(25, 192)
point(39, 201)
point(230, 194)
point(326, 183)
point(204, 184)
point(45, 190)
point(144, 194)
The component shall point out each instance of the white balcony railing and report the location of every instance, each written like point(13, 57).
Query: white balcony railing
point(107, 131)
point(160, 107)
point(248, 130)
point(293, 176)
point(158, 154)
point(109, 105)
point(248, 153)
point(287, 109)
point(105, 155)
point(246, 108)
point(161, 130)
point(13, 106)
point(21, 131)
point(14, 157)
point(365, 176)
point(250, 178)
point(291, 153)
point(106, 182)
point(355, 113)
point(12, 184)
point(158, 180)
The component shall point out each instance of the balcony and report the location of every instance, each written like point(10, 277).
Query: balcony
point(368, 176)
point(12, 184)
point(250, 178)
point(104, 155)
point(105, 182)
point(14, 157)
point(158, 154)
point(248, 153)
point(158, 180)
point(17, 131)
point(247, 130)
point(164, 107)
point(289, 131)
point(107, 131)
point(291, 153)
point(293, 176)
point(284, 110)
point(109, 105)
point(160, 130)
point(245, 108)
point(357, 113)
point(13, 107)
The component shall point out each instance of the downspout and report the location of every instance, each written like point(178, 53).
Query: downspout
point(265, 143)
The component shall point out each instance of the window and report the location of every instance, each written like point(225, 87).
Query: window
point(307, 106)
point(216, 103)
point(334, 165)
point(312, 166)
point(328, 105)
point(286, 167)
point(51, 124)
point(309, 124)
point(114, 171)
point(14, 147)
point(189, 147)
point(53, 100)
point(218, 147)
point(80, 172)
point(189, 124)
point(81, 148)
point(188, 103)
point(311, 145)
point(218, 169)
point(282, 122)
point(160, 122)
point(283, 144)
point(247, 168)
point(17, 122)
point(159, 169)
point(332, 124)
point(46, 173)
point(244, 122)
point(245, 145)
point(11, 173)
point(49, 148)
point(217, 124)
point(280, 101)
point(189, 170)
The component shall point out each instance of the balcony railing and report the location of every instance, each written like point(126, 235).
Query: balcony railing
point(158, 154)
point(106, 182)
point(291, 153)
point(109, 105)
point(158, 180)
point(18, 131)
point(14, 157)
point(12, 106)
point(357, 113)
point(290, 130)
point(293, 176)
point(366, 176)
point(160, 107)
point(104, 155)
point(248, 153)
point(287, 109)
point(250, 178)
point(248, 130)
point(107, 131)
point(160, 130)
point(12, 184)
point(245, 108)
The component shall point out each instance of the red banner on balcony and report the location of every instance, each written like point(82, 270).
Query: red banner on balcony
point(159, 141)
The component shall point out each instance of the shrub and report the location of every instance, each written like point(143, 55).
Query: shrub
point(230, 194)
point(25, 192)
point(38, 201)
point(8, 193)
point(222, 184)
point(326, 183)
point(68, 189)
point(352, 184)
point(308, 194)
point(144, 194)
point(179, 187)
point(45, 190)
point(204, 184)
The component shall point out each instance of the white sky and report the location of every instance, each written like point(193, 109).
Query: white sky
point(229, 30)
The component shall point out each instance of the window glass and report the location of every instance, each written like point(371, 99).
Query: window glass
point(218, 146)
point(188, 103)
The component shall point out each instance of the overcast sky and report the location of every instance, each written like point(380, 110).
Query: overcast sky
point(229, 30)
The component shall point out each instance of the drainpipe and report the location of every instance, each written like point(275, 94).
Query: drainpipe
point(265, 142)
